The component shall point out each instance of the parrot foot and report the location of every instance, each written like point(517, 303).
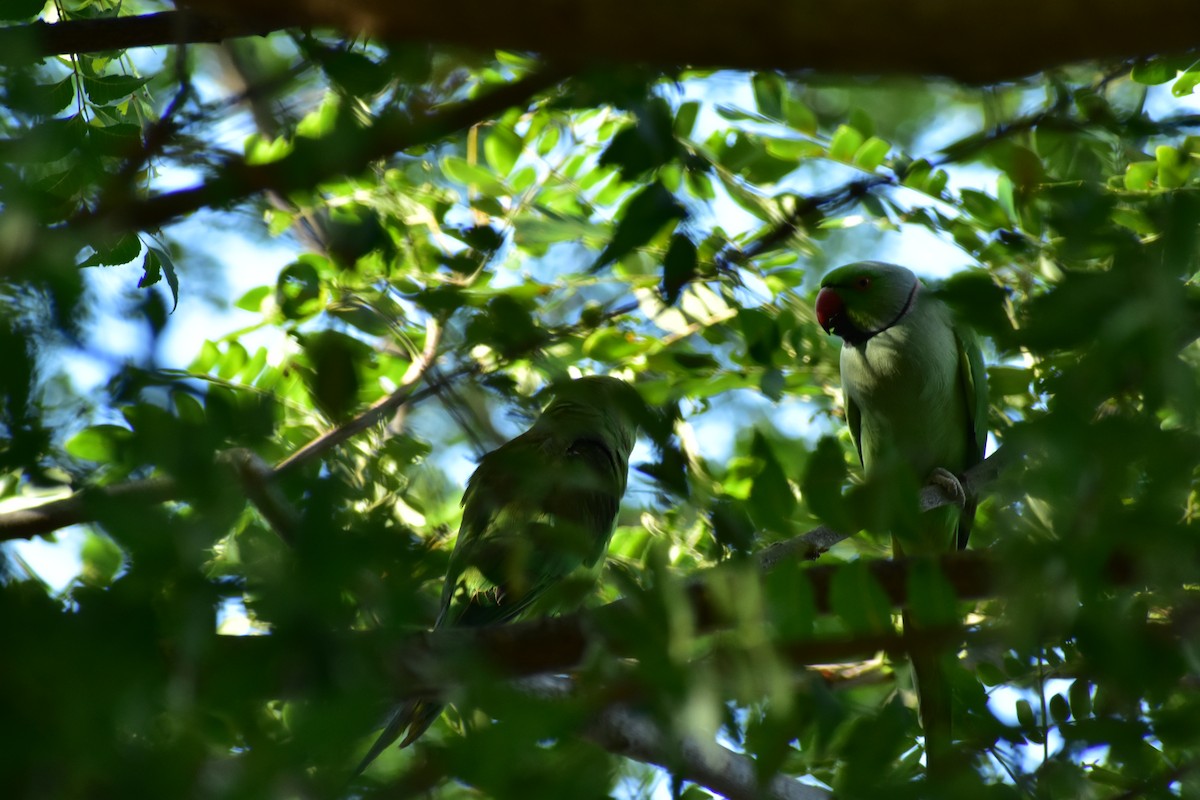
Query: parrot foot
point(951, 487)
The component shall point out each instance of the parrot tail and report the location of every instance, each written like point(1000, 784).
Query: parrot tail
point(933, 702)
point(414, 715)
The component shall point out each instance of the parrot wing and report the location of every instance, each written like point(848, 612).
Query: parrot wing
point(854, 423)
point(535, 510)
point(973, 382)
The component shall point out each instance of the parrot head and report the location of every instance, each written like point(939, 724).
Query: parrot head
point(862, 299)
point(597, 406)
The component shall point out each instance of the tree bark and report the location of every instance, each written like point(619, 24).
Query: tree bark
point(973, 42)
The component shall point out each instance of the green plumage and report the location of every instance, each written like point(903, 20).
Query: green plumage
point(913, 380)
point(535, 510)
point(916, 397)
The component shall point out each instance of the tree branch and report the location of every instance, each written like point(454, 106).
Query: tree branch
point(88, 505)
point(975, 482)
point(83, 506)
point(314, 161)
point(377, 412)
point(624, 732)
point(29, 43)
point(429, 663)
point(973, 43)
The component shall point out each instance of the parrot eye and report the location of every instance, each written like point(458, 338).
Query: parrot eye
point(863, 283)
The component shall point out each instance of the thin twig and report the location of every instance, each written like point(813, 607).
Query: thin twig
point(87, 504)
point(378, 412)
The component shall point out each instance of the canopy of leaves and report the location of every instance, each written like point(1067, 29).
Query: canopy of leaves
point(470, 225)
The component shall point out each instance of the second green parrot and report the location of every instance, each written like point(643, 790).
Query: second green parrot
point(536, 509)
point(916, 398)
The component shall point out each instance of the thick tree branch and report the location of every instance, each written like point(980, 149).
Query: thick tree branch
point(429, 663)
point(38, 40)
point(83, 506)
point(624, 732)
point(975, 483)
point(976, 43)
point(314, 161)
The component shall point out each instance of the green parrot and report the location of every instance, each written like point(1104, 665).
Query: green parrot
point(536, 509)
point(916, 397)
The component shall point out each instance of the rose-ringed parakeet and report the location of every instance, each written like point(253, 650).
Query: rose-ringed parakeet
point(536, 509)
point(915, 393)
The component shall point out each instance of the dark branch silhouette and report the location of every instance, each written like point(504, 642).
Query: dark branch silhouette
point(975, 44)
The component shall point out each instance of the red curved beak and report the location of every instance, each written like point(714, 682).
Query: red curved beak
point(829, 305)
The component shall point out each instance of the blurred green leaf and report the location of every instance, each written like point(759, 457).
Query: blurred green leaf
point(15, 10)
point(647, 213)
point(102, 443)
point(845, 143)
point(769, 90)
point(1153, 71)
point(502, 146)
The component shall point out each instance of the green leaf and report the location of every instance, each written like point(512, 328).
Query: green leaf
point(769, 89)
point(121, 141)
point(990, 674)
point(110, 88)
point(353, 71)
point(859, 600)
point(646, 144)
point(1060, 712)
point(679, 267)
point(685, 118)
point(121, 252)
point(761, 335)
point(871, 153)
point(825, 475)
point(1139, 176)
point(548, 140)
point(458, 169)
point(792, 605)
point(1135, 220)
point(298, 288)
point(1025, 715)
point(206, 359)
point(232, 361)
point(1080, 695)
point(647, 213)
point(531, 230)
point(1186, 84)
point(101, 443)
point(772, 384)
point(984, 208)
point(159, 261)
point(978, 301)
point(17, 10)
point(931, 598)
point(334, 380)
point(502, 147)
point(612, 345)
point(799, 116)
point(793, 149)
point(322, 121)
point(1153, 71)
point(845, 144)
point(1009, 381)
point(22, 93)
point(253, 300)
point(1174, 168)
point(101, 558)
point(772, 501)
